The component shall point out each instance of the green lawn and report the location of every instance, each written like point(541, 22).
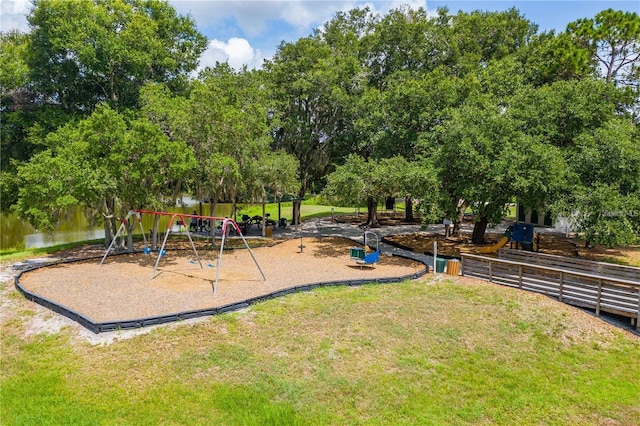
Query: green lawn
point(307, 211)
point(411, 353)
point(14, 255)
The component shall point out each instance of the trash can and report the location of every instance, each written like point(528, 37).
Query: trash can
point(268, 232)
point(453, 267)
point(441, 264)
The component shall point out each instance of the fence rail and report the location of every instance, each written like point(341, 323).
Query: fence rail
point(603, 293)
point(574, 264)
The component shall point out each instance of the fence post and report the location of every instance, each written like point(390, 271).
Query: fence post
point(561, 286)
point(490, 272)
point(638, 317)
point(520, 276)
point(599, 295)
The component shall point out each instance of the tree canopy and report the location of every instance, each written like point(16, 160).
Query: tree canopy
point(86, 52)
point(453, 112)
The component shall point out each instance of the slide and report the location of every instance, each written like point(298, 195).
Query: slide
point(494, 248)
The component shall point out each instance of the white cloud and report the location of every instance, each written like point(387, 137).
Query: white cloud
point(13, 15)
point(256, 17)
point(309, 14)
point(251, 17)
point(236, 51)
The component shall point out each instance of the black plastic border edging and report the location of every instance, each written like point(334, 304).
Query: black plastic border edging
point(100, 327)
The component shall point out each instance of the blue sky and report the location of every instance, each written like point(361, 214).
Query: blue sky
point(247, 32)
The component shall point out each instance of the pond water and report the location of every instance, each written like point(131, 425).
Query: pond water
point(16, 233)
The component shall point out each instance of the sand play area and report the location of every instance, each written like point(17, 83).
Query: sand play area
point(122, 288)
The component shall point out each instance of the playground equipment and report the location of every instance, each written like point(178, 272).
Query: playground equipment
point(519, 233)
point(226, 222)
point(497, 246)
point(361, 255)
point(522, 233)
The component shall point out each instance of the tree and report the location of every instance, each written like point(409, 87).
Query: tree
point(405, 39)
point(613, 39)
point(311, 88)
point(485, 161)
point(14, 72)
point(476, 38)
point(107, 163)
point(229, 131)
point(15, 102)
point(172, 115)
point(551, 57)
point(225, 121)
point(86, 52)
point(560, 112)
point(360, 181)
point(414, 180)
point(81, 53)
point(603, 196)
point(356, 182)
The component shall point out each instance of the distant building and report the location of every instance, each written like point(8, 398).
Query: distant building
point(534, 217)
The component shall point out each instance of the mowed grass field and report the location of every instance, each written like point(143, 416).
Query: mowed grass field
point(430, 352)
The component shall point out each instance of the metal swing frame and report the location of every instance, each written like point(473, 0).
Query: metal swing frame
point(226, 222)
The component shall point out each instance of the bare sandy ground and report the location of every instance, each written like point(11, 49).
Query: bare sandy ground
point(122, 288)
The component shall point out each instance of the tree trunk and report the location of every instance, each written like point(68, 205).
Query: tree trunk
point(372, 213)
point(109, 222)
point(130, 227)
point(108, 232)
point(408, 208)
point(296, 212)
point(478, 230)
point(458, 220)
point(233, 209)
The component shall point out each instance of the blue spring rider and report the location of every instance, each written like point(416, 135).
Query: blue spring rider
point(360, 254)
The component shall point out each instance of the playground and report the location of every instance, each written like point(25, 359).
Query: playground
point(122, 289)
point(186, 276)
point(555, 244)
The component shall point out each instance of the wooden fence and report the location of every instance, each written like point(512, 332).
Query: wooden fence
point(574, 264)
point(603, 293)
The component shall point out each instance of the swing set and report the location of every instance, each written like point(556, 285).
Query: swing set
point(226, 223)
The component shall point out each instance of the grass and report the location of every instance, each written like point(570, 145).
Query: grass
point(411, 353)
point(14, 255)
point(310, 208)
point(307, 211)
point(623, 262)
